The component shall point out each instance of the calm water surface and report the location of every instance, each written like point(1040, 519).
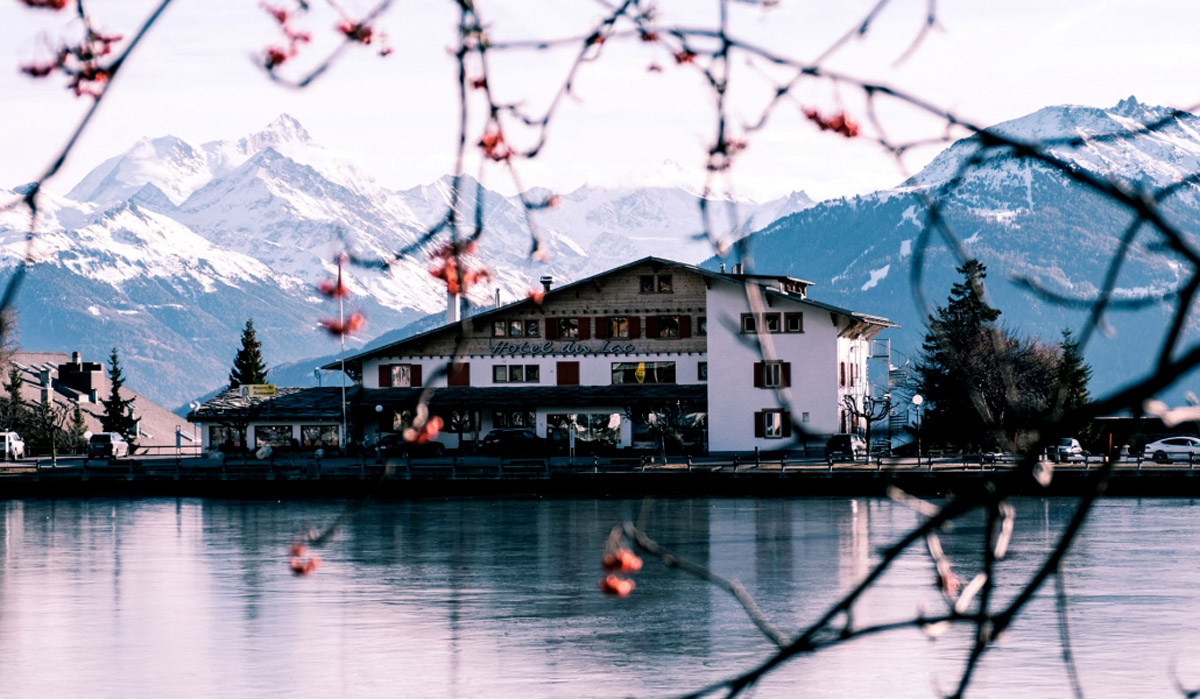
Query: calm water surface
point(477, 597)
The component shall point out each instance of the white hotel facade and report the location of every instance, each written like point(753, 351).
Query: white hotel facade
point(600, 356)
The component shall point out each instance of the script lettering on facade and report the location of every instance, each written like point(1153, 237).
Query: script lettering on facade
point(504, 348)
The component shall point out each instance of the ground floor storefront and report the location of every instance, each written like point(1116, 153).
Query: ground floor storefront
point(579, 419)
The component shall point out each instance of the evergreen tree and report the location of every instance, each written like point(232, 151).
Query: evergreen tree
point(14, 412)
point(985, 388)
point(77, 432)
point(1073, 374)
point(248, 365)
point(118, 411)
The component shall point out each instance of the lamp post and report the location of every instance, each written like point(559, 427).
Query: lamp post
point(917, 400)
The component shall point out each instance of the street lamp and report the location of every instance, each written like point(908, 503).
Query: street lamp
point(917, 400)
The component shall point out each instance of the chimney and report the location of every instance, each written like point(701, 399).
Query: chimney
point(497, 297)
point(546, 280)
point(453, 308)
point(75, 359)
point(722, 268)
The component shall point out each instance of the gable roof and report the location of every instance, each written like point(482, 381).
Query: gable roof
point(355, 361)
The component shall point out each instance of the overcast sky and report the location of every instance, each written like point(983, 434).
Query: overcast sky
point(990, 61)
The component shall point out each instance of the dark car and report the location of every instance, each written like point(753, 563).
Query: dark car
point(513, 441)
point(845, 446)
point(395, 446)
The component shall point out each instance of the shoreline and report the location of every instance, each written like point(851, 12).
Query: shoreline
point(356, 478)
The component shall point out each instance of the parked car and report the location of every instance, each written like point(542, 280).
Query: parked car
point(1065, 449)
point(396, 446)
point(13, 445)
point(513, 441)
point(107, 445)
point(1173, 448)
point(845, 446)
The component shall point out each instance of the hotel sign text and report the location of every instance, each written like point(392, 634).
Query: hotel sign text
point(512, 349)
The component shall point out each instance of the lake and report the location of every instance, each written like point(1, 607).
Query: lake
point(166, 597)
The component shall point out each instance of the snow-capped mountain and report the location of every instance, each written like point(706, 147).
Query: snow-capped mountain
point(1021, 218)
point(166, 249)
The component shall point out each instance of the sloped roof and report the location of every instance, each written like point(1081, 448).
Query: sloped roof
point(157, 427)
point(289, 403)
point(727, 277)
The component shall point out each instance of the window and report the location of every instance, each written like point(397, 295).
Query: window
point(618, 327)
point(643, 372)
point(568, 328)
point(651, 284)
point(516, 328)
point(399, 375)
point(793, 322)
point(594, 433)
point(702, 371)
point(668, 326)
point(702, 326)
point(273, 435)
point(318, 436)
point(225, 436)
point(510, 418)
point(773, 425)
point(462, 421)
point(768, 321)
point(803, 417)
point(772, 374)
point(517, 373)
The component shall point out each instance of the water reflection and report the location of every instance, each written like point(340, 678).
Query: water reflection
point(490, 597)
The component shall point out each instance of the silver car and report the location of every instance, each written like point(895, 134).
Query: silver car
point(1172, 449)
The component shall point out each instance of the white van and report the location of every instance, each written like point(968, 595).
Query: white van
point(13, 445)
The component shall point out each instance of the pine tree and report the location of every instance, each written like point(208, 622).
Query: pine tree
point(118, 411)
point(1073, 374)
point(248, 365)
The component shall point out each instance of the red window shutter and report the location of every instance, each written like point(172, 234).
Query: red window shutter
point(568, 373)
point(685, 326)
point(842, 375)
point(601, 328)
point(459, 374)
point(785, 374)
point(651, 326)
point(585, 328)
point(760, 424)
point(787, 423)
point(635, 327)
point(758, 375)
point(415, 375)
point(552, 328)
point(385, 375)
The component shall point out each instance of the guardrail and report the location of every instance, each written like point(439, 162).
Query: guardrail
point(308, 466)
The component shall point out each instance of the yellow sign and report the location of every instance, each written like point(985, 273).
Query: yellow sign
point(640, 373)
point(258, 390)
